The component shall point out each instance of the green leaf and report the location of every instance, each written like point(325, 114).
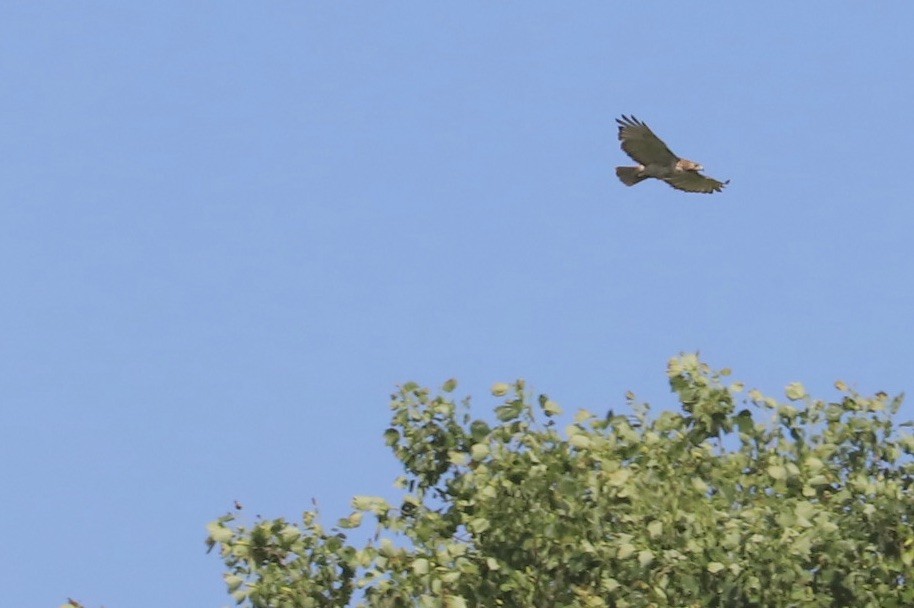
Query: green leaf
point(813, 464)
point(353, 521)
point(655, 529)
point(509, 411)
point(367, 503)
point(455, 601)
point(391, 437)
point(289, 533)
point(500, 389)
point(625, 550)
point(551, 408)
point(479, 451)
point(645, 557)
point(788, 411)
point(233, 582)
point(582, 416)
point(619, 478)
point(610, 584)
point(777, 472)
point(699, 484)
point(479, 430)
point(795, 391)
point(219, 533)
point(420, 566)
point(480, 525)
point(580, 441)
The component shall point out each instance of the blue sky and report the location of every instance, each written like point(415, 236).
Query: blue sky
point(228, 230)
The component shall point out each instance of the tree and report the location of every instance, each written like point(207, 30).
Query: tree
point(734, 501)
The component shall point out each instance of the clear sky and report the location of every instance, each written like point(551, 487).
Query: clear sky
point(228, 230)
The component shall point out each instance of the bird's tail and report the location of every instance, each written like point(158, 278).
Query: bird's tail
point(629, 175)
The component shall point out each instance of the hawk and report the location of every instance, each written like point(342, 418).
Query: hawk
point(656, 160)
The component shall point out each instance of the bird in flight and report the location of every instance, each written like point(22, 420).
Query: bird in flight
point(656, 160)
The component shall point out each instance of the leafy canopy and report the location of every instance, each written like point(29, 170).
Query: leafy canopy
point(732, 501)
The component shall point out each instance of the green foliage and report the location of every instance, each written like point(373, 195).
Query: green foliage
point(732, 502)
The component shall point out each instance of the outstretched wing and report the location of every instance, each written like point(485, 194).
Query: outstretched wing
point(692, 181)
point(639, 142)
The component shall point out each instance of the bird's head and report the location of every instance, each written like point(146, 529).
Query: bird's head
point(685, 164)
point(688, 165)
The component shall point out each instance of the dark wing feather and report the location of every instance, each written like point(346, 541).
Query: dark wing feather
point(692, 181)
point(639, 142)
